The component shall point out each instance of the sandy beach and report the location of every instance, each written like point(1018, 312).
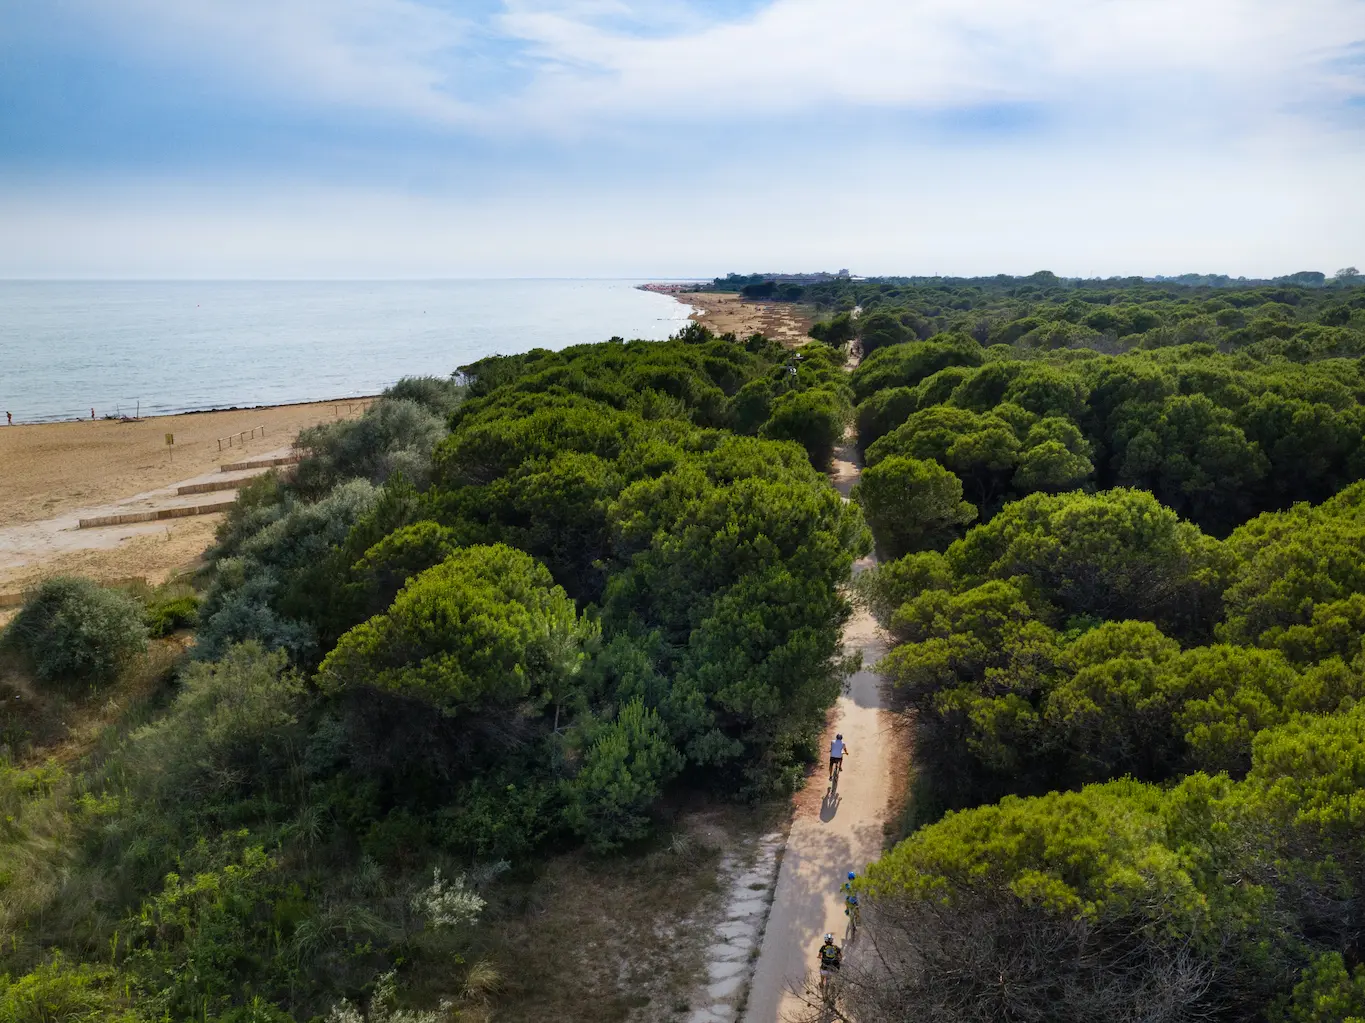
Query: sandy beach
point(726, 312)
point(51, 474)
point(50, 468)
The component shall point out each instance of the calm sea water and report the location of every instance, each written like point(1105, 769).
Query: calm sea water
point(66, 346)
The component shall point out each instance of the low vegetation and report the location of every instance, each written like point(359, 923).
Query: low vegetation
point(74, 632)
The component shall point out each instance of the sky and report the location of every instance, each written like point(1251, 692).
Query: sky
point(679, 138)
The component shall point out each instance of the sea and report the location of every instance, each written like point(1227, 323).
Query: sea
point(160, 347)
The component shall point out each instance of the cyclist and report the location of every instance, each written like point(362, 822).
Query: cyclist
point(837, 749)
point(851, 909)
point(831, 957)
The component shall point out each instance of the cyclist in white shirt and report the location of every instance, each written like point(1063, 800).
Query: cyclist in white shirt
point(837, 749)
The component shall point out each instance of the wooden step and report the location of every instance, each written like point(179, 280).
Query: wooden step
point(155, 516)
point(205, 488)
point(262, 463)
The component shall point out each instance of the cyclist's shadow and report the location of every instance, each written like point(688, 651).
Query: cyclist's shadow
point(829, 806)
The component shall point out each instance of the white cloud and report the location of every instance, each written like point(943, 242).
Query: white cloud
point(585, 62)
point(1196, 141)
point(953, 53)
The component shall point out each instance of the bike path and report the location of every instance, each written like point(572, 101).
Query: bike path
point(830, 834)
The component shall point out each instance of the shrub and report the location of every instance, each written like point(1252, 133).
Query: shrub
point(384, 1008)
point(394, 434)
point(189, 940)
point(166, 615)
point(73, 630)
point(281, 581)
point(622, 775)
point(1327, 993)
point(448, 903)
point(62, 992)
point(260, 501)
point(230, 723)
point(440, 394)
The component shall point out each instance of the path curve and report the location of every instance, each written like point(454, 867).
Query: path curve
point(830, 837)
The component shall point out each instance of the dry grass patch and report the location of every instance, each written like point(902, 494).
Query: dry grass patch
point(40, 723)
point(618, 940)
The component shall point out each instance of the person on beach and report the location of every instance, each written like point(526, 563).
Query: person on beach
point(92, 413)
point(9, 418)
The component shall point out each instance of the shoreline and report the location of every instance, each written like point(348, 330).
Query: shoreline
point(208, 410)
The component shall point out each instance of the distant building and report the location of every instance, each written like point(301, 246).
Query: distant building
point(815, 278)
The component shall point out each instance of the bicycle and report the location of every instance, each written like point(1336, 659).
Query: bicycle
point(852, 908)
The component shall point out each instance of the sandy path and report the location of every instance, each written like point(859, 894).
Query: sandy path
point(32, 550)
point(156, 552)
point(830, 834)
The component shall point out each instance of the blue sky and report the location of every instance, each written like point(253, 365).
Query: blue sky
point(324, 138)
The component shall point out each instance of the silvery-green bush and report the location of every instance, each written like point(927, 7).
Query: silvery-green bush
point(75, 631)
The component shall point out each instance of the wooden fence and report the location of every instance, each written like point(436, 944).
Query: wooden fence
point(353, 408)
point(242, 437)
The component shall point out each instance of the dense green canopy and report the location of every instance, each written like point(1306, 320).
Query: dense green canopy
point(1136, 677)
point(546, 603)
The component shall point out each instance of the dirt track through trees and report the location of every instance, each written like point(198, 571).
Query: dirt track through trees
point(831, 834)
